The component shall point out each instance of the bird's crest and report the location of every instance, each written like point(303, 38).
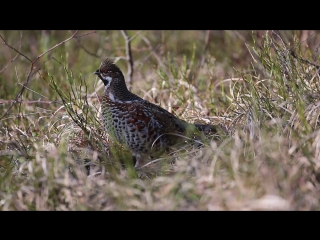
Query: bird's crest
point(108, 65)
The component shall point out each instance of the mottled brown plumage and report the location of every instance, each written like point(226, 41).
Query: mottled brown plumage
point(147, 129)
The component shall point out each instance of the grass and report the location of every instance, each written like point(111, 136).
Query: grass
point(262, 86)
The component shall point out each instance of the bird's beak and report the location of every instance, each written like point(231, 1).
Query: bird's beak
point(97, 72)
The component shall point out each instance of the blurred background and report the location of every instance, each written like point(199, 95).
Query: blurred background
point(149, 49)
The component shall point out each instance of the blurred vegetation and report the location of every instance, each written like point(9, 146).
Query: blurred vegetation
point(262, 86)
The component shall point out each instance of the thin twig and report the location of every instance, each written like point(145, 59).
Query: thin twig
point(86, 50)
point(129, 56)
point(57, 45)
point(31, 68)
point(15, 56)
point(152, 51)
point(28, 102)
point(34, 92)
point(85, 34)
point(134, 36)
point(82, 47)
point(4, 42)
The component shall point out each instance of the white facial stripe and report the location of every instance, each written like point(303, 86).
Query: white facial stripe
point(111, 96)
point(108, 79)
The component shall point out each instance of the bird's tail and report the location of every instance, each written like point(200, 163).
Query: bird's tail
point(207, 128)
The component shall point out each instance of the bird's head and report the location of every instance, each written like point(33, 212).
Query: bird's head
point(109, 73)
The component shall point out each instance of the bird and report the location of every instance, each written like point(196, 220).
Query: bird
point(147, 129)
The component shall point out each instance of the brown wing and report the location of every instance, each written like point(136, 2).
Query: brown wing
point(155, 117)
